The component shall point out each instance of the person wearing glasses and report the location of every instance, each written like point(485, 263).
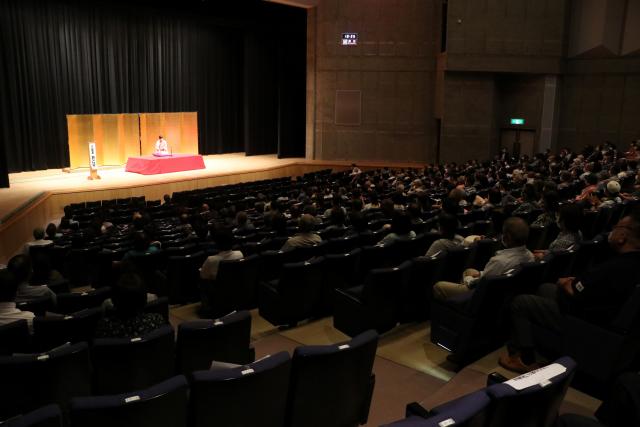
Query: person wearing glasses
point(596, 295)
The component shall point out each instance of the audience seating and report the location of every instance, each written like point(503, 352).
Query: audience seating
point(38, 306)
point(183, 276)
point(125, 364)
point(47, 416)
point(618, 344)
point(467, 411)
point(226, 339)
point(340, 272)
point(161, 405)
point(80, 265)
point(534, 405)
point(295, 295)
point(454, 264)
point(77, 301)
point(250, 395)
point(235, 286)
point(33, 380)
point(373, 305)
point(14, 338)
point(530, 400)
point(54, 330)
point(376, 256)
point(332, 385)
point(470, 324)
point(415, 301)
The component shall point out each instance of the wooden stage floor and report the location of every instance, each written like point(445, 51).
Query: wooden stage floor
point(25, 186)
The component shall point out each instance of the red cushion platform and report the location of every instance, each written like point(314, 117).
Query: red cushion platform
point(151, 165)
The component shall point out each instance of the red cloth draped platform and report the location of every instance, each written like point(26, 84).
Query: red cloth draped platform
point(151, 165)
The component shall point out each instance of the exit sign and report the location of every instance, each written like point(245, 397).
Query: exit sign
point(517, 122)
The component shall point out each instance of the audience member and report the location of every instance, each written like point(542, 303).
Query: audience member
point(596, 295)
point(305, 235)
point(38, 240)
point(8, 311)
point(400, 227)
point(224, 243)
point(20, 267)
point(515, 233)
point(128, 319)
point(448, 225)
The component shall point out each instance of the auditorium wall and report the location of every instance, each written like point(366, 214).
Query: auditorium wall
point(393, 66)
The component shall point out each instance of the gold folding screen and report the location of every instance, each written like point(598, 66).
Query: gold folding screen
point(120, 136)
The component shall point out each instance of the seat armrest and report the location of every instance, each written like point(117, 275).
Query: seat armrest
point(416, 409)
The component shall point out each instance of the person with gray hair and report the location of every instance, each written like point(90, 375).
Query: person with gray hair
point(515, 233)
point(305, 236)
point(38, 240)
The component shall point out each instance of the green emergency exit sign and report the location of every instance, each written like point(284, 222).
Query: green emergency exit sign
point(517, 122)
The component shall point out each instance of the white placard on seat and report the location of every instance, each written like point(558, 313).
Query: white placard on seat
point(539, 376)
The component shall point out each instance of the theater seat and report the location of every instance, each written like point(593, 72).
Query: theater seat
point(415, 301)
point(14, 337)
point(373, 305)
point(471, 324)
point(295, 295)
point(226, 339)
point(161, 405)
point(125, 364)
point(235, 287)
point(51, 331)
point(526, 402)
point(76, 301)
point(38, 306)
point(47, 416)
point(332, 385)
point(467, 411)
point(32, 380)
point(251, 395)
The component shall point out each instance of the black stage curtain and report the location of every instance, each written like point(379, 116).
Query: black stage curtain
point(68, 57)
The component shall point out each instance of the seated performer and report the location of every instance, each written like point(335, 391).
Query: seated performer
point(162, 148)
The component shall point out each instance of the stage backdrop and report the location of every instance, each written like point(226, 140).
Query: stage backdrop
point(120, 136)
point(60, 57)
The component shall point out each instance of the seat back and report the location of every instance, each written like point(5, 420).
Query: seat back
point(35, 380)
point(560, 264)
point(340, 269)
point(220, 397)
point(125, 364)
point(332, 385)
point(38, 306)
point(225, 340)
point(382, 293)
point(483, 250)
point(300, 287)
point(51, 331)
point(14, 337)
point(76, 301)
point(467, 411)
point(236, 285)
point(376, 256)
point(47, 416)
point(532, 399)
point(161, 405)
point(416, 298)
point(183, 277)
point(455, 263)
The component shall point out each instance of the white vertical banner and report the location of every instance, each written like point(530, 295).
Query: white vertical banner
point(93, 162)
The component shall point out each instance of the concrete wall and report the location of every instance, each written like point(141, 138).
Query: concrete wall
point(394, 67)
point(506, 35)
point(468, 127)
point(597, 107)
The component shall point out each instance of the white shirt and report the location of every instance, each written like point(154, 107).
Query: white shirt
point(41, 242)
point(209, 270)
point(9, 313)
point(27, 292)
point(162, 146)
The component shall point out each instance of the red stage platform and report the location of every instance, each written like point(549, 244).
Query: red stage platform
point(151, 165)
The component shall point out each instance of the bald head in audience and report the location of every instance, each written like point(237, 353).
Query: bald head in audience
point(515, 232)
